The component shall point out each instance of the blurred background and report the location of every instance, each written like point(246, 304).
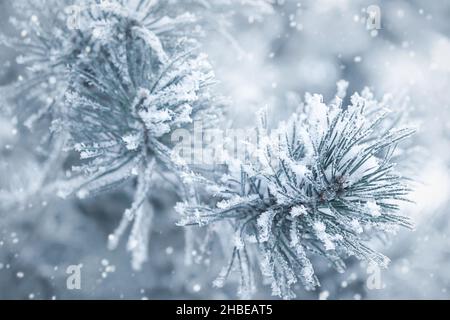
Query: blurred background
point(267, 58)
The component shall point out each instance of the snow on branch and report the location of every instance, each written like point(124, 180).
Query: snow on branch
point(317, 186)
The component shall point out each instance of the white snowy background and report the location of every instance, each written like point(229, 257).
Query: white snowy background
point(303, 46)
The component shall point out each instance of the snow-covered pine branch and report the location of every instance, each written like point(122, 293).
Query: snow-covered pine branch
point(123, 107)
point(55, 34)
point(51, 37)
point(317, 185)
point(119, 77)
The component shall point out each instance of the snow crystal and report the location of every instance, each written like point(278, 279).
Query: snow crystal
point(238, 241)
point(299, 169)
point(324, 295)
point(356, 226)
point(132, 141)
point(265, 225)
point(373, 209)
point(235, 200)
point(295, 241)
point(298, 211)
point(197, 287)
point(342, 87)
point(327, 240)
point(318, 112)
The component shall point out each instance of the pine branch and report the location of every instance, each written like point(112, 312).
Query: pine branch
point(318, 186)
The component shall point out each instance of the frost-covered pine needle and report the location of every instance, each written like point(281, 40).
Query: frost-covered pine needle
point(322, 184)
